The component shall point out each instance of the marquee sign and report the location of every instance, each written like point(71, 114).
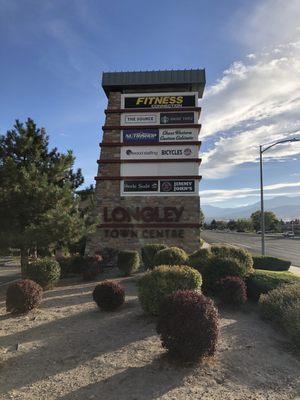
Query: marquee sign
point(160, 187)
point(160, 169)
point(140, 135)
point(159, 118)
point(159, 100)
point(159, 152)
point(150, 135)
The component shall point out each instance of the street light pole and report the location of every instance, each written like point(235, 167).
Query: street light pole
point(262, 213)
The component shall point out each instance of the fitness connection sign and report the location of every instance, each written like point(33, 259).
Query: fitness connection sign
point(160, 187)
point(158, 152)
point(159, 100)
point(155, 135)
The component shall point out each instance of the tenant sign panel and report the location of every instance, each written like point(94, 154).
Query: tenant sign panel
point(151, 135)
point(165, 118)
point(160, 169)
point(159, 152)
point(159, 100)
point(160, 187)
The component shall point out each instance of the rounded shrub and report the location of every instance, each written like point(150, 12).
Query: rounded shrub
point(109, 295)
point(242, 255)
point(93, 267)
point(282, 306)
point(65, 264)
point(171, 256)
point(270, 263)
point(200, 259)
point(232, 291)
point(128, 262)
point(154, 285)
point(44, 271)
point(188, 325)
point(23, 296)
point(219, 268)
point(262, 282)
point(148, 253)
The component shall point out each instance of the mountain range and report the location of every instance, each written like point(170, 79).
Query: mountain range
point(284, 207)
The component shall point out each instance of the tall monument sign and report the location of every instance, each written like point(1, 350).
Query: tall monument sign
point(147, 186)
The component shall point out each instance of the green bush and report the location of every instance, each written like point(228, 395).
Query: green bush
point(200, 259)
point(271, 263)
point(218, 268)
point(44, 271)
point(128, 262)
point(242, 255)
point(282, 306)
point(261, 282)
point(164, 280)
point(171, 256)
point(148, 253)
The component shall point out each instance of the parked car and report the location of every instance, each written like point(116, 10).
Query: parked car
point(288, 234)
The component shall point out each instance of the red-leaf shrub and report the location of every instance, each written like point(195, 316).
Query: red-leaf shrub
point(93, 267)
point(188, 325)
point(109, 295)
point(232, 291)
point(23, 296)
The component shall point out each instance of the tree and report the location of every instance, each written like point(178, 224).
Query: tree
point(271, 221)
point(38, 203)
point(244, 225)
point(202, 218)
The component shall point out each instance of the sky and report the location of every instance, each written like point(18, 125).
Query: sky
point(53, 53)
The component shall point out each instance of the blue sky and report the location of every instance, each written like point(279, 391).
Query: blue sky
point(53, 53)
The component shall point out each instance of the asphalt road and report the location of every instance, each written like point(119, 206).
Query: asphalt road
point(275, 246)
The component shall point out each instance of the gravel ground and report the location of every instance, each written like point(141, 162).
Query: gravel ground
point(69, 350)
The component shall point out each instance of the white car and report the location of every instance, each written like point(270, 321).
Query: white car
point(289, 234)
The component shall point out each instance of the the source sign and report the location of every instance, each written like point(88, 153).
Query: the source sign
point(151, 135)
point(159, 100)
point(171, 187)
point(167, 118)
point(158, 152)
point(140, 119)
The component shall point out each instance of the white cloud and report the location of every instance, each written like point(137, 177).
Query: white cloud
point(219, 195)
point(257, 100)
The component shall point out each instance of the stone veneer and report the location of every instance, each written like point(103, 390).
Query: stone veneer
point(108, 196)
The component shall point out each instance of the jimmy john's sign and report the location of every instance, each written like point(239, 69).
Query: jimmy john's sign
point(158, 152)
point(167, 118)
point(159, 100)
point(151, 135)
point(160, 187)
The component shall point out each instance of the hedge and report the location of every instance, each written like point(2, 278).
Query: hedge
point(154, 285)
point(45, 271)
point(242, 255)
point(148, 253)
point(218, 268)
point(171, 256)
point(282, 306)
point(270, 263)
point(128, 262)
point(261, 282)
point(200, 259)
